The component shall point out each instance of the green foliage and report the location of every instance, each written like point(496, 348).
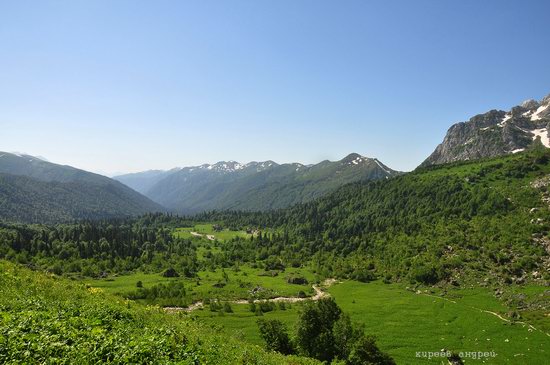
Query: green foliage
point(365, 351)
point(325, 333)
point(345, 335)
point(275, 336)
point(314, 337)
point(170, 273)
point(170, 294)
point(48, 320)
point(94, 248)
point(227, 307)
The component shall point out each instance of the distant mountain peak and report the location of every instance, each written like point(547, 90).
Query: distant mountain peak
point(234, 166)
point(530, 104)
point(30, 158)
point(227, 166)
point(351, 156)
point(354, 159)
point(261, 163)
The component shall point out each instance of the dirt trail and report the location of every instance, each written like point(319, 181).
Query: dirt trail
point(319, 294)
point(211, 237)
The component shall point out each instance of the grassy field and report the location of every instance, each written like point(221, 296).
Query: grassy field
point(405, 322)
point(226, 284)
point(208, 229)
point(242, 322)
point(238, 287)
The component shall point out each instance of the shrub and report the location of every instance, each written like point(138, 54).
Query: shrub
point(275, 336)
point(227, 308)
point(170, 273)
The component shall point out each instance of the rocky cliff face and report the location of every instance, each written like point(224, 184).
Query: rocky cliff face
point(495, 133)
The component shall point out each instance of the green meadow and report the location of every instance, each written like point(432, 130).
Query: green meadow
point(405, 322)
point(208, 229)
point(206, 285)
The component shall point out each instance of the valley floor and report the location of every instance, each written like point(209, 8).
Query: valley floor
point(406, 323)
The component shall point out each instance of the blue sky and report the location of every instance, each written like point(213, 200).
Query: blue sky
point(119, 86)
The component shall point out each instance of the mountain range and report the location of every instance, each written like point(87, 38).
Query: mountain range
point(495, 133)
point(34, 190)
point(230, 185)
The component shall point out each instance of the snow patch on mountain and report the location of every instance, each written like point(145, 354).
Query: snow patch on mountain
point(385, 169)
point(355, 161)
point(536, 114)
point(506, 118)
point(543, 134)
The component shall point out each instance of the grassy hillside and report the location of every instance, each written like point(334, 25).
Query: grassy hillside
point(44, 319)
point(206, 285)
point(207, 230)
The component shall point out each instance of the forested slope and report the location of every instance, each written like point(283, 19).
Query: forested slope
point(487, 219)
point(37, 191)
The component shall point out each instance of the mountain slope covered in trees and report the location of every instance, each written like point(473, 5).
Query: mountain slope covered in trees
point(253, 186)
point(33, 190)
point(484, 220)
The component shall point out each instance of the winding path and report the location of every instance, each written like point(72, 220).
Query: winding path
point(211, 237)
point(319, 294)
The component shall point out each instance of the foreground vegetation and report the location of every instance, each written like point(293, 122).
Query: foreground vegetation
point(326, 333)
point(69, 323)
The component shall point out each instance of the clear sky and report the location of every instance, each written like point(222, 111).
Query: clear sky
point(120, 86)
